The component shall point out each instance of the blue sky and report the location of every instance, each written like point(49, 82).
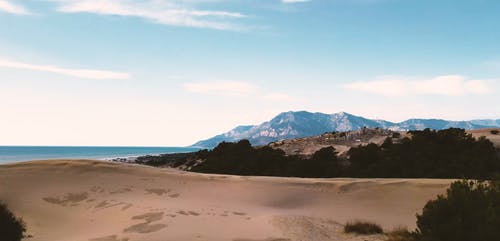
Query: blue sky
point(171, 72)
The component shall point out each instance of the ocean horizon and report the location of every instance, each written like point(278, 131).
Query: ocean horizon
point(9, 154)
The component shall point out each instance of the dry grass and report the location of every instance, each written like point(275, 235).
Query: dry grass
point(400, 234)
point(362, 227)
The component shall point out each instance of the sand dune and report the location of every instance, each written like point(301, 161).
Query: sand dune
point(495, 138)
point(66, 200)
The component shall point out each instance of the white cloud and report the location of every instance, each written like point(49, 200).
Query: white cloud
point(13, 8)
point(448, 85)
point(228, 88)
point(161, 11)
point(294, 1)
point(80, 73)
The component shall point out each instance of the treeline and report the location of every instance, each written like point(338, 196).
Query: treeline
point(450, 153)
point(169, 160)
point(242, 159)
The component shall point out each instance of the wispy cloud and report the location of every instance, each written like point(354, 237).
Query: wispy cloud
point(448, 85)
point(13, 8)
point(166, 12)
point(80, 73)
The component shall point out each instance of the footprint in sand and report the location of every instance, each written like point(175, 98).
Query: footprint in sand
point(157, 191)
point(175, 195)
point(188, 213)
point(112, 203)
point(183, 213)
point(71, 199)
point(109, 238)
point(149, 217)
point(126, 207)
point(97, 189)
point(194, 213)
point(268, 239)
point(146, 226)
point(121, 190)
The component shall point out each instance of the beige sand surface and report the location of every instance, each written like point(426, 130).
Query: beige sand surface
point(495, 138)
point(66, 200)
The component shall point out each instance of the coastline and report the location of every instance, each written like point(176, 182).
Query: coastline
point(10, 154)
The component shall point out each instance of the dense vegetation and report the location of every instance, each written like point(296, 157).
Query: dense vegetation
point(470, 210)
point(450, 153)
point(11, 227)
point(242, 159)
point(171, 160)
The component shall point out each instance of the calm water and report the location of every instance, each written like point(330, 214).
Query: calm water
point(26, 153)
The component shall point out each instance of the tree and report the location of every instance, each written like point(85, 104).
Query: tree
point(324, 163)
point(450, 153)
point(470, 210)
point(11, 227)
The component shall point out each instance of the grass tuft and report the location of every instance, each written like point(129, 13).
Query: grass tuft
point(400, 234)
point(362, 227)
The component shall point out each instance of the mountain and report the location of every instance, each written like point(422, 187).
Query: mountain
point(437, 124)
point(486, 122)
point(298, 124)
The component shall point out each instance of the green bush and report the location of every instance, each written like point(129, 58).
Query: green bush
point(470, 210)
point(494, 132)
point(361, 227)
point(11, 227)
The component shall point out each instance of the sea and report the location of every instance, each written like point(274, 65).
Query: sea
point(9, 154)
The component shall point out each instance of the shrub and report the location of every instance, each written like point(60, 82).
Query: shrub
point(470, 210)
point(361, 227)
point(11, 227)
point(400, 234)
point(494, 132)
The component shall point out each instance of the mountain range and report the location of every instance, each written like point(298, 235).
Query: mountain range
point(288, 125)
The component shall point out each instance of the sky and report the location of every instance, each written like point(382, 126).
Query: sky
point(172, 72)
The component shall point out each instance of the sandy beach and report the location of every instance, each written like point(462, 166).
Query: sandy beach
point(62, 200)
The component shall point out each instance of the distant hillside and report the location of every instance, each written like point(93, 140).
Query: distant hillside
point(299, 124)
point(341, 141)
